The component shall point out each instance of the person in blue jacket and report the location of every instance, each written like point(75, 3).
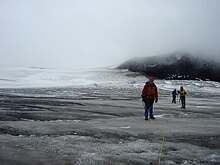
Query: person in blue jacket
point(174, 94)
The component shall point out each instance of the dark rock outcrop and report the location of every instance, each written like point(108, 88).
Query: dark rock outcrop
point(177, 66)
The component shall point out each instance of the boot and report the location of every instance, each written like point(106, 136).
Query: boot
point(152, 118)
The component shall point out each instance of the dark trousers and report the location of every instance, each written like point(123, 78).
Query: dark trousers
point(183, 101)
point(174, 99)
point(148, 108)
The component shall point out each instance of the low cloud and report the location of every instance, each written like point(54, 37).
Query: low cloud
point(84, 33)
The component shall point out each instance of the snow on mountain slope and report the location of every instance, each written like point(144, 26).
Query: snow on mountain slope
point(20, 77)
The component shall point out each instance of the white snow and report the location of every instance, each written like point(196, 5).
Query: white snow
point(126, 127)
point(159, 116)
point(21, 77)
point(152, 66)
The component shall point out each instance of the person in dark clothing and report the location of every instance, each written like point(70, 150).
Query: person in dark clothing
point(182, 93)
point(174, 94)
point(149, 96)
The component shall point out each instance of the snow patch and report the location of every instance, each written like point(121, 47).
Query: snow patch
point(59, 120)
point(126, 127)
point(159, 116)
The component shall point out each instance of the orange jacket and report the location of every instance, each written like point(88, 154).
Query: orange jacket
point(150, 91)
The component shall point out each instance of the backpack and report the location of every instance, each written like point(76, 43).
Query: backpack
point(149, 91)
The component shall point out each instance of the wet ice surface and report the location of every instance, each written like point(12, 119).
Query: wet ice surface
point(96, 117)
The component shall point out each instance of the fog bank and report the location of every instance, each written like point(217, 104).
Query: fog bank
point(84, 33)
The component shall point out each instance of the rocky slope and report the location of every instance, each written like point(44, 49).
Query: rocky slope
point(176, 66)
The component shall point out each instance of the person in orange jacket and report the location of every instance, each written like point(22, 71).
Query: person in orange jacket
point(149, 96)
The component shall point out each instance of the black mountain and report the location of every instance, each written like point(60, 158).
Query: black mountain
point(177, 66)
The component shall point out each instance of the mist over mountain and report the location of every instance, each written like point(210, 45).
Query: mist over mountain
point(176, 66)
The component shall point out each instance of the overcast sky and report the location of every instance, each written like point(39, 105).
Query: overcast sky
point(96, 33)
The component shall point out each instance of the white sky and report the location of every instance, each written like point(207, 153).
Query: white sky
point(96, 33)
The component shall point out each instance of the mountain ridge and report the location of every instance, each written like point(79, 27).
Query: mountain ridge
point(175, 66)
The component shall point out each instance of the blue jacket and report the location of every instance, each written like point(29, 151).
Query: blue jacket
point(174, 93)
